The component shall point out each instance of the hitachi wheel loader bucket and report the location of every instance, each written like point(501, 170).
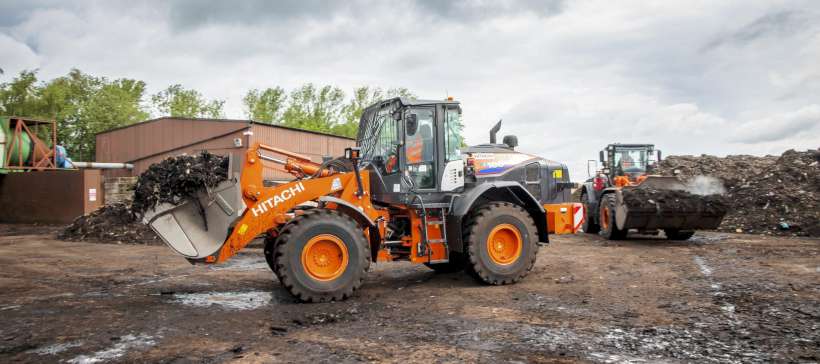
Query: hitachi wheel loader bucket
point(196, 232)
point(661, 203)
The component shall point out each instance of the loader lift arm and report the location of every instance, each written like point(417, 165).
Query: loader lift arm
point(270, 207)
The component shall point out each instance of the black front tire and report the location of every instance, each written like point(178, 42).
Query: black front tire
point(269, 251)
point(477, 229)
point(295, 236)
point(674, 234)
point(589, 226)
point(609, 229)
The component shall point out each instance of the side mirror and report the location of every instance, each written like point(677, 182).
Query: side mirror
point(592, 165)
point(601, 156)
point(411, 124)
point(510, 140)
point(659, 156)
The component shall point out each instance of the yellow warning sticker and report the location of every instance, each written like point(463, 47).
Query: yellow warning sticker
point(558, 174)
point(243, 229)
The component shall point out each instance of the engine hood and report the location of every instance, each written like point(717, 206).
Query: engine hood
point(497, 159)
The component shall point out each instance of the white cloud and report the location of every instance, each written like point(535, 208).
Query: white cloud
point(780, 127)
point(567, 77)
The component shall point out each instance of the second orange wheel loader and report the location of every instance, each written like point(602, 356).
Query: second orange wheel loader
point(409, 191)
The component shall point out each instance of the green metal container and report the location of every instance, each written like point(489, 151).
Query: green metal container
point(19, 149)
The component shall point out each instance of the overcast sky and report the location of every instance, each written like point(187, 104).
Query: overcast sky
point(567, 77)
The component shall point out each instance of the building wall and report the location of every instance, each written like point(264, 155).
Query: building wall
point(223, 145)
point(309, 144)
point(152, 141)
point(49, 196)
point(156, 136)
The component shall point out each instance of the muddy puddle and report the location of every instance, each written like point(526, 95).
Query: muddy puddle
point(225, 300)
point(122, 346)
point(247, 261)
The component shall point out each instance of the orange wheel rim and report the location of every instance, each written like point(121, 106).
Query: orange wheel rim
point(604, 217)
point(504, 244)
point(325, 257)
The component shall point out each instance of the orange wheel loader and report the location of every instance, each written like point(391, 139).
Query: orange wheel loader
point(624, 196)
point(409, 191)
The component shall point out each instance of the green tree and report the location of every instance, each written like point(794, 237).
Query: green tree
point(19, 97)
point(266, 106)
point(363, 97)
point(82, 105)
point(311, 108)
point(177, 101)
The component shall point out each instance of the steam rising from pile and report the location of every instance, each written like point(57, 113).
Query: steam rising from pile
point(705, 185)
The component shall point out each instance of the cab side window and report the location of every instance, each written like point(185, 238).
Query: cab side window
point(452, 134)
point(384, 154)
point(420, 141)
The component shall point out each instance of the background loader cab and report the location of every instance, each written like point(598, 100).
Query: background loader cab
point(629, 160)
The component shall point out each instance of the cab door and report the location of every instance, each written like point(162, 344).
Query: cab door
point(420, 147)
point(452, 162)
point(432, 140)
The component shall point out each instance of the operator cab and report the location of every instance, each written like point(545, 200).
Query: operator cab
point(630, 160)
point(413, 149)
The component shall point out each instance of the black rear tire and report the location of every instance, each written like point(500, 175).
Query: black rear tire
point(674, 234)
point(609, 229)
point(289, 253)
point(477, 230)
point(589, 226)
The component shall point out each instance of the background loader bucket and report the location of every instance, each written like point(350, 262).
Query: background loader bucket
point(191, 233)
point(663, 203)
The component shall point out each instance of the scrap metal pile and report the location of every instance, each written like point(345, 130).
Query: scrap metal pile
point(767, 195)
point(173, 181)
point(177, 179)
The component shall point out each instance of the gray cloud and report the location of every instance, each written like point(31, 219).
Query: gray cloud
point(777, 24)
point(567, 78)
point(187, 14)
point(473, 10)
point(780, 127)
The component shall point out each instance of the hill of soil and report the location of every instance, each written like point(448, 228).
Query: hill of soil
point(767, 195)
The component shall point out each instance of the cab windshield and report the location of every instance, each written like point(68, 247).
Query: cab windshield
point(631, 160)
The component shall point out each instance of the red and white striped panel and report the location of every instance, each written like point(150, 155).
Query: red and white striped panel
point(577, 216)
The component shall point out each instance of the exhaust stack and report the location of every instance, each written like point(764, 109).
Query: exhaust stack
point(494, 131)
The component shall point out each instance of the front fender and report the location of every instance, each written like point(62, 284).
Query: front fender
point(493, 191)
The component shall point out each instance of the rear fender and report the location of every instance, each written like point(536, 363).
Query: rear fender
point(507, 191)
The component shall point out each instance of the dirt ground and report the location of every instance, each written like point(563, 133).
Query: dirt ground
point(717, 298)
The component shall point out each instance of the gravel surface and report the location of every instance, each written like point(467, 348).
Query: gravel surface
point(718, 298)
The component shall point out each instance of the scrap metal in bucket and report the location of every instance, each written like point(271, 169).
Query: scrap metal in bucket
point(198, 227)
